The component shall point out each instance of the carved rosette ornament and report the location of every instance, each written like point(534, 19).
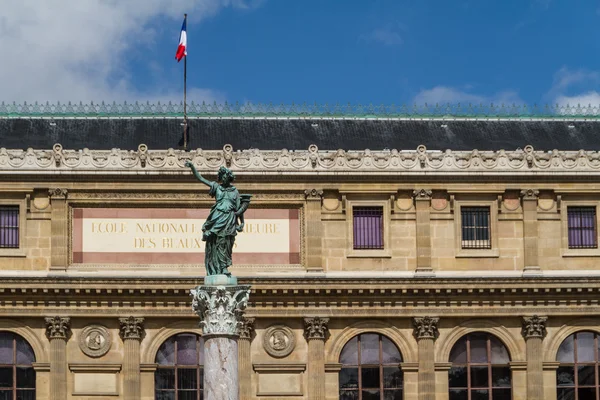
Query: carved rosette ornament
point(530, 194)
point(131, 328)
point(246, 328)
point(425, 327)
point(220, 308)
point(534, 327)
point(58, 327)
point(58, 193)
point(422, 194)
point(316, 328)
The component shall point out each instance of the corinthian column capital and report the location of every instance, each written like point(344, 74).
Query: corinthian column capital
point(131, 328)
point(534, 327)
point(58, 327)
point(425, 327)
point(316, 328)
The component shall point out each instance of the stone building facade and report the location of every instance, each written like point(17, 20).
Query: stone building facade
point(376, 274)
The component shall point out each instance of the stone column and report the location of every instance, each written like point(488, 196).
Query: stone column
point(530, 232)
point(58, 330)
point(534, 330)
point(220, 309)
point(59, 229)
point(315, 331)
point(246, 331)
point(132, 331)
point(314, 230)
point(422, 204)
point(426, 331)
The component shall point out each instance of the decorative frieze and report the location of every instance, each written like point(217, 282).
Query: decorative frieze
point(58, 327)
point(316, 328)
point(425, 327)
point(534, 327)
point(246, 328)
point(220, 308)
point(132, 328)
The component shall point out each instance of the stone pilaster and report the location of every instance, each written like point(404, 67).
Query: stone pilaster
point(58, 331)
point(59, 228)
point(530, 231)
point(220, 309)
point(534, 330)
point(315, 331)
point(422, 206)
point(246, 332)
point(132, 332)
point(314, 230)
point(426, 331)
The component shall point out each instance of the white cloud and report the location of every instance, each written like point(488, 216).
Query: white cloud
point(75, 50)
point(385, 36)
point(584, 99)
point(452, 95)
point(575, 87)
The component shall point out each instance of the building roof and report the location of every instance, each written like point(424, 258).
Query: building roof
point(126, 126)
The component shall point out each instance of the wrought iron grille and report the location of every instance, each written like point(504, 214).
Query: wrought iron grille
point(9, 227)
point(582, 227)
point(368, 228)
point(475, 228)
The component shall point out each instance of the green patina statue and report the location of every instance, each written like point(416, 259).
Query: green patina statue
point(225, 220)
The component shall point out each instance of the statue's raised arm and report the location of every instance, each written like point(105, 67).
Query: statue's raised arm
point(202, 179)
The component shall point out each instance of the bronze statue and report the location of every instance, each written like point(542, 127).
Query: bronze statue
point(225, 220)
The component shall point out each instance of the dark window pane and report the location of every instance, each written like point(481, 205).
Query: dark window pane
point(201, 378)
point(582, 227)
point(187, 354)
point(166, 353)
point(25, 394)
point(457, 377)
point(187, 395)
point(348, 394)
point(368, 227)
point(164, 395)
point(391, 354)
point(392, 377)
point(25, 378)
point(499, 352)
point(479, 377)
point(392, 394)
point(458, 394)
point(475, 227)
point(371, 395)
point(6, 348)
point(25, 355)
point(586, 393)
point(370, 378)
point(566, 351)
point(187, 378)
point(501, 394)
point(458, 354)
point(585, 347)
point(349, 378)
point(349, 354)
point(480, 394)
point(9, 226)
point(586, 375)
point(6, 377)
point(565, 394)
point(6, 395)
point(500, 377)
point(164, 378)
point(369, 349)
point(565, 376)
point(478, 348)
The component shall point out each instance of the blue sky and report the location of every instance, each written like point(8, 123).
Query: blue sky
point(367, 51)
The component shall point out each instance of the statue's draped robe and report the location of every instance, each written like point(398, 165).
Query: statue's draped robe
point(222, 224)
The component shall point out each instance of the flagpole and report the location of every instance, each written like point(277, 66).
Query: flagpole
point(185, 121)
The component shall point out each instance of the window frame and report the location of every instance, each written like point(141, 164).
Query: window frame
point(596, 364)
point(566, 251)
point(176, 367)
point(492, 252)
point(14, 366)
point(375, 253)
point(22, 205)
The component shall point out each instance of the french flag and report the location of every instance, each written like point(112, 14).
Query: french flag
point(182, 48)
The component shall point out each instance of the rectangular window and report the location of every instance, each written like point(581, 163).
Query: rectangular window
point(368, 228)
point(475, 228)
point(582, 227)
point(9, 227)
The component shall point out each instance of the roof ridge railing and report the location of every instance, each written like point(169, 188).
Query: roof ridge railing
point(214, 109)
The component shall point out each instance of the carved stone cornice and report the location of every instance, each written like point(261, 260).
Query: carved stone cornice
point(316, 328)
point(220, 308)
point(425, 327)
point(58, 327)
point(131, 328)
point(313, 194)
point(530, 194)
point(58, 193)
point(534, 327)
point(246, 328)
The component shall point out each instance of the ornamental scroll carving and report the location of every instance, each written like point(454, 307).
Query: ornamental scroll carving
point(425, 327)
point(316, 328)
point(58, 193)
point(524, 161)
point(246, 328)
point(534, 327)
point(530, 194)
point(422, 194)
point(58, 327)
point(131, 328)
point(220, 308)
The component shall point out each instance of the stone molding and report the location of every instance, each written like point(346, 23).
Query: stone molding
point(220, 308)
point(526, 161)
point(316, 328)
point(422, 194)
point(534, 327)
point(246, 328)
point(58, 327)
point(425, 327)
point(131, 328)
point(530, 194)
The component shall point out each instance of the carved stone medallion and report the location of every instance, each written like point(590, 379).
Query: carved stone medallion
point(279, 341)
point(94, 340)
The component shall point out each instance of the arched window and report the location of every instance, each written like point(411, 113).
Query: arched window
point(577, 374)
point(179, 375)
point(480, 369)
point(370, 369)
point(17, 377)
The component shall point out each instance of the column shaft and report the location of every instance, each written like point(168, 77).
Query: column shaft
point(535, 369)
point(58, 369)
point(59, 229)
point(530, 231)
point(245, 369)
point(314, 230)
point(221, 368)
point(422, 203)
point(426, 369)
point(316, 369)
point(131, 369)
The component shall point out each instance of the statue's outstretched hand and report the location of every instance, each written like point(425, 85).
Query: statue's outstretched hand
point(189, 164)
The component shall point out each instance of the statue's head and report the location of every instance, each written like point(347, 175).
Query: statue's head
point(225, 176)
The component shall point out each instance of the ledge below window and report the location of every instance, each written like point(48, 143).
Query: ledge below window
point(385, 253)
point(478, 253)
point(13, 253)
point(581, 252)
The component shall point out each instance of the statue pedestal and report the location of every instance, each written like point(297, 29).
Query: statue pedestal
point(220, 307)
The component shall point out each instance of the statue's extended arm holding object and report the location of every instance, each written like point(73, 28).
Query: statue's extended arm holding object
point(197, 174)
